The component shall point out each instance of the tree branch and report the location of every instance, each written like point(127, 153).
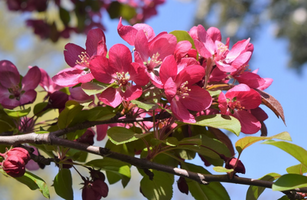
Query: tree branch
point(52, 139)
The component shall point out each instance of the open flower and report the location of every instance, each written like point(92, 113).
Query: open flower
point(13, 91)
point(79, 58)
point(119, 71)
point(238, 102)
point(181, 91)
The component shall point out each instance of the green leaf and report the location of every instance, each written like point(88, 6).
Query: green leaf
point(118, 169)
point(72, 109)
point(6, 123)
point(183, 35)
point(121, 135)
point(63, 184)
point(296, 151)
point(145, 106)
point(17, 113)
point(297, 169)
point(94, 87)
point(214, 190)
point(38, 109)
point(64, 15)
point(290, 182)
point(159, 188)
point(98, 113)
point(254, 192)
point(221, 169)
point(116, 10)
point(34, 182)
point(219, 121)
point(243, 143)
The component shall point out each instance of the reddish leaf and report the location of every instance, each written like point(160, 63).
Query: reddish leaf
point(273, 104)
point(223, 138)
point(264, 130)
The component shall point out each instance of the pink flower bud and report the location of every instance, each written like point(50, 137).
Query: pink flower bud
point(236, 164)
point(15, 161)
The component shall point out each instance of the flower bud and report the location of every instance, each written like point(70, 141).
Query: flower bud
point(182, 185)
point(15, 161)
point(87, 137)
point(236, 164)
point(94, 190)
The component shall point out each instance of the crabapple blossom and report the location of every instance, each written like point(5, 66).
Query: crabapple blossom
point(16, 92)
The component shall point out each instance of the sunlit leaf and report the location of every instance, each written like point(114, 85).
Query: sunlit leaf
point(121, 135)
point(94, 87)
point(219, 121)
point(17, 113)
point(243, 143)
point(294, 150)
point(34, 182)
point(297, 169)
point(254, 192)
point(221, 169)
point(183, 35)
point(117, 9)
point(145, 106)
point(290, 182)
point(72, 108)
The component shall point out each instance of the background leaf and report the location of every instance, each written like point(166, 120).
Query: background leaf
point(121, 135)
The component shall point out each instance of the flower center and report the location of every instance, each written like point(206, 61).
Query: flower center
point(122, 78)
point(236, 105)
point(154, 62)
point(84, 59)
point(183, 90)
point(15, 92)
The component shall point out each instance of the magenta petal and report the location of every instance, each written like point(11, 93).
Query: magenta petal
point(192, 74)
point(214, 33)
point(259, 114)
point(67, 77)
point(27, 97)
point(181, 112)
point(138, 74)
point(120, 58)
point(241, 60)
point(222, 103)
point(31, 79)
point(251, 79)
point(170, 88)
point(128, 33)
point(71, 54)
point(199, 99)
point(111, 97)
point(237, 49)
point(132, 93)
point(267, 83)
point(150, 34)
point(168, 69)
point(249, 123)
point(141, 46)
point(9, 75)
point(100, 69)
point(96, 42)
point(85, 78)
point(202, 49)
point(101, 131)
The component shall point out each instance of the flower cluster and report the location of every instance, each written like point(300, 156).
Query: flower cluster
point(15, 161)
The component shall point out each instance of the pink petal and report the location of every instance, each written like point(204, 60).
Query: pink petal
point(202, 49)
point(168, 69)
point(181, 112)
point(31, 79)
point(138, 74)
point(128, 33)
point(259, 114)
point(132, 93)
point(28, 97)
point(141, 46)
point(205, 39)
point(241, 60)
point(71, 54)
point(120, 58)
point(214, 33)
point(148, 30)
point(192, 74)
point(9, 75)
point(67, 77)
point(170, 89)
point(222, 103)
point(249, 123)
point(101, 131)
point(100, 69)
point(96, 42)
point(237, 49)
point(111, 97)
point(199, 99)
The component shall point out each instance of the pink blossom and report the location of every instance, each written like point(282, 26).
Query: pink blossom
point(253, 80)
point(238, 102)
point(181, 91)
point(118, 71)
point(13, 91)
point(78, 58)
